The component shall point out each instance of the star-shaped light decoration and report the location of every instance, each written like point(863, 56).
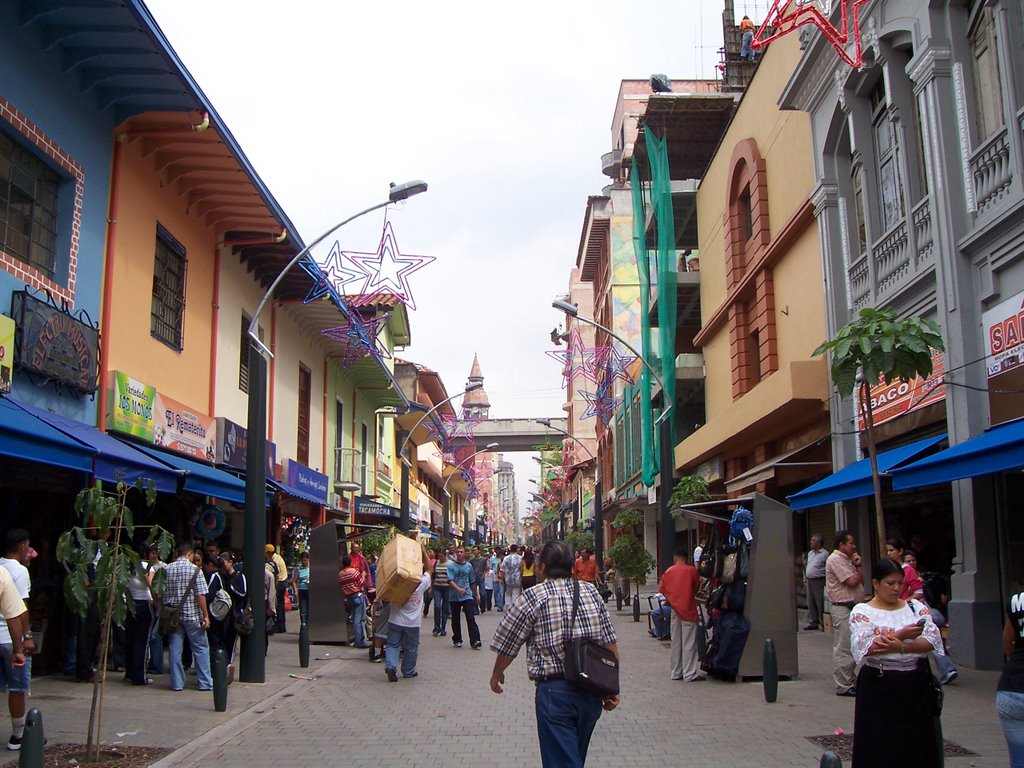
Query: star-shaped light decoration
point(387, 271)
point(329, 274)
point(361, 337)
point(785, 16)
point(601, 404)
point(612, 365)
point(450, 428)
point(577, 359)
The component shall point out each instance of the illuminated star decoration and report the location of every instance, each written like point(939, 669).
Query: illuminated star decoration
point(577, 359)
point(785, 16)
point(611, 365)
point(601, 404)
point(450, 428)
point(361, 337)
point(387, 271)
point(328, 274)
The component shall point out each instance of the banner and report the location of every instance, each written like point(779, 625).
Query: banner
point(6, 353)
point(131, 406)
point(890, 401)
point(300, 476)
point(1004, 335)
point(179, 428)
point(375, 508)
point(231, 445)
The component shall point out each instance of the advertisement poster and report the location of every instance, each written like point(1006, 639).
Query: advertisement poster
point(6, 354)
point(131, 407)
point(889, 401)
point(231, 446)
point(179, 428)
point(300, 476)
point(1003, 325)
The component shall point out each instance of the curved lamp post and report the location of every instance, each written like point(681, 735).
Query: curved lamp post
point(253, 658)
point(403, 520)
point(447, 496)
point(664, 436)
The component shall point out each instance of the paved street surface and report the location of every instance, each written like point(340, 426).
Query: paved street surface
point(351, 712)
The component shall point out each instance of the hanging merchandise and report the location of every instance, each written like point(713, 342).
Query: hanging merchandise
point(210, 522)
point(741, 525)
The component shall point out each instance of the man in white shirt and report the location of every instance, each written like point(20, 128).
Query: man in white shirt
point(14, 678)
point(512, 575)
point(404, 630)
point(814, 574)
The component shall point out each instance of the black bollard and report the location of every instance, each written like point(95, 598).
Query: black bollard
point(636, 609)
point(31, 753)
point(618, 599)
point(771, 671)
point(220, 680)
point(830, 760)
point(304, 645)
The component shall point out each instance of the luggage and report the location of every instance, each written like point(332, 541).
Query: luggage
point(726, 649)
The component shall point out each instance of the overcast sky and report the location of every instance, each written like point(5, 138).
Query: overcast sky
point(504, 109)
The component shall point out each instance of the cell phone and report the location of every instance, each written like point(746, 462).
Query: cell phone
point(920, 622)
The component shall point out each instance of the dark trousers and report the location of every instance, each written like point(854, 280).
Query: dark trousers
point(565, 722)
point(136, 641)
point(488, 594)
point(282, 586)
point(469, 608)
point(85, 648)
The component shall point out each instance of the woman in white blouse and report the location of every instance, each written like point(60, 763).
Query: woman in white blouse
point(894, 720)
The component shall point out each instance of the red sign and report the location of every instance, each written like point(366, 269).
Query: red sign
point(889, 401)
point(1004, 327)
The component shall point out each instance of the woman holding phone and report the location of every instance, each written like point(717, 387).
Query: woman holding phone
point(894, 717)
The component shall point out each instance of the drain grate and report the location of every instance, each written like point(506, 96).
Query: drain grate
point(842, 745)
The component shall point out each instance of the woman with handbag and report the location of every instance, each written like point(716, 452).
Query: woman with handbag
point(898, 699)
point(560, 613)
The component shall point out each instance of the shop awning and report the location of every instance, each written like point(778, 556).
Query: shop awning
point(298, 493)
point(854, 481)
point(999, 449)
point(765, 470)
point(202, 479)
point(23, 436)
point(113, 460)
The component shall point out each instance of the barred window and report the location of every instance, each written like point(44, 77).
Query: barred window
point(28, 207)
point(168, 309)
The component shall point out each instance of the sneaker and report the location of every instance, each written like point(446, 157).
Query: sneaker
point(852, 692)
point(474, 646)
point(810, 627)
point(457, 643)
point(949, 677)
point(414, 674)
point(392, 675)
point(14, 743)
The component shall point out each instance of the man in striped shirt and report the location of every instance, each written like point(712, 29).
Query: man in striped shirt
point(350, 580)
point(441, 593)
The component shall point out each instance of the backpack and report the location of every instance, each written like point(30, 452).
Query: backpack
point(244, 621)
point(220, 605)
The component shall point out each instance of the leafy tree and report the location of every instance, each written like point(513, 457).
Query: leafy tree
point(580, 540)
point(631, 558)
point(373, 543)
point(101, 560)
point(690, 489)
point(879, 345)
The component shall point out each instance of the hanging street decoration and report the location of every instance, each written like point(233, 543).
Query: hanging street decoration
point(361, 337)
point(577, 359)
point(450, 428)
point(601, 404)
point(613, 365)
point(387, 271)
point(785, 16)
point(331, 274)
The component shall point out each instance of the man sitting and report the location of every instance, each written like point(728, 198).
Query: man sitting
point(661, 618)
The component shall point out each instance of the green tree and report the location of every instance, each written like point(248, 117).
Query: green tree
point(879, 345)
point(101, 560)
point(631, 558)
point(690, 489)
point(580, 540)
point(373, 543)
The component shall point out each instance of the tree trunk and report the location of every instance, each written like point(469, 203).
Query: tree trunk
point(876, 480)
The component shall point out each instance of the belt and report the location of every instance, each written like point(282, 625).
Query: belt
point(850, 605)
point(548, 679)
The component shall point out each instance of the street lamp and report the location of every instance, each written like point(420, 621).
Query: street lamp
point(403, 520)
point(664, 434)
point(253, 661)
point(447, 496)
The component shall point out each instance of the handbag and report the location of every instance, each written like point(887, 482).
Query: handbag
point(170, 615)
point(729, 558)
point(589, 666)
point(708, 566)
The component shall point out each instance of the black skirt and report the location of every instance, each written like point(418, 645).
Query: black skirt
point(893, 724)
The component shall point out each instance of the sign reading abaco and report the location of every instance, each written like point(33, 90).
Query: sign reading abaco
point(1004, 333)
point(375, 508)
point(131, 407)
point(889, 401)
point(181, 429)
point(6, 354)
point(54, 344)
point(300, 476)
point(231, 445)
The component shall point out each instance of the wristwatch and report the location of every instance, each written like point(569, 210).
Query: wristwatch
point(27, 636)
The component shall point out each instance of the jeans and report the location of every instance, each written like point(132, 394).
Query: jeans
point(487, 600)
point(200, 654)
point(441, 609)
point(1010, 706)
point(499, 595)
point(661, 618)
point(746, 47)
point(408, 640)
point(356, 605)
point(469, 608)
point(137, 631)
point(156, 650)
point(565, 722)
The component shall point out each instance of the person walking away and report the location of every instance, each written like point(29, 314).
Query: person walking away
point(539, 618)
point(814, 575)
point(679, 585)
point(193, 619)
point(1010, 690)
point(499, 584)
point(138, 628)
point(747, 39)
point(361, 564)
point(156, 640)
point(404, 630)
point(442, 594)
point(271, 606)
point(488, 587)
point(479, 563)
point(214, 583)
point(300, 583)
point(350, 579)
point(465, 599)
point(512, 573)
point(278, 567)
point(845, 585)
point(380, 612)
point(16, 679)
point(428, 597)
point(528, 569)
point(894, 718)
point(238, 588)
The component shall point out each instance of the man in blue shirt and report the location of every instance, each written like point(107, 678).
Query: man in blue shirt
point(499, 585)
point(465, 598)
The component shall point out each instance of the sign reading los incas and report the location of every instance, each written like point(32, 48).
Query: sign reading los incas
point(891, 400)
point(131, 407)
point(1004, 333)
point(179, 428)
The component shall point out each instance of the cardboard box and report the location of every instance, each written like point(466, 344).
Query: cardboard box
point(399, 570)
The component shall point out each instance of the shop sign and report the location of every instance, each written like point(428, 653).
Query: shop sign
point(231, 445)
point(375, 508)
point(6, 353)
point(184, 430)
point(710, 470)
point(890, 401)
point(1004, 334)
point(131, 407)
point(300, 476)
point(54, 344)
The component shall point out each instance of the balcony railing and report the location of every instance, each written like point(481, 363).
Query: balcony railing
point(992, 171)
point(383, 466)
point(349, 470)
point(892, 258)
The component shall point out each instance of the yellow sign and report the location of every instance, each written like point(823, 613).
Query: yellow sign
point(6, 353)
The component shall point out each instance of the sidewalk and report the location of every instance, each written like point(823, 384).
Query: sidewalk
point(350, 712)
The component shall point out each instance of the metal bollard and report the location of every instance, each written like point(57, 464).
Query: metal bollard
point(220, 680)
point(304, 645)
point(31, 753)
point(830, 760)
point(770, 671)
point(618, 599)
point(636, 609)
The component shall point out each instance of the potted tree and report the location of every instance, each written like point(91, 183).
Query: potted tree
point(631, 558)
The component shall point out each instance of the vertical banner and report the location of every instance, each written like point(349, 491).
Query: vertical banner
point(131, 407)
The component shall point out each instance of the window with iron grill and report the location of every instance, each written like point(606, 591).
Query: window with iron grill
point(305, 398)
point(28, 207)
point(168, 309)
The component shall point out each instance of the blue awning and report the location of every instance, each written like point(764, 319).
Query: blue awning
point(114, 460)
point(997, 450)
point(297, 493)
point(23, 436)
point(854, 481)
point(202, 479)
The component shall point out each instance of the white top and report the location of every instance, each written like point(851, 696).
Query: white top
point(411, 614)
point(868, 622)
point(489, 580)
point(697, 552)
point(23, 582)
